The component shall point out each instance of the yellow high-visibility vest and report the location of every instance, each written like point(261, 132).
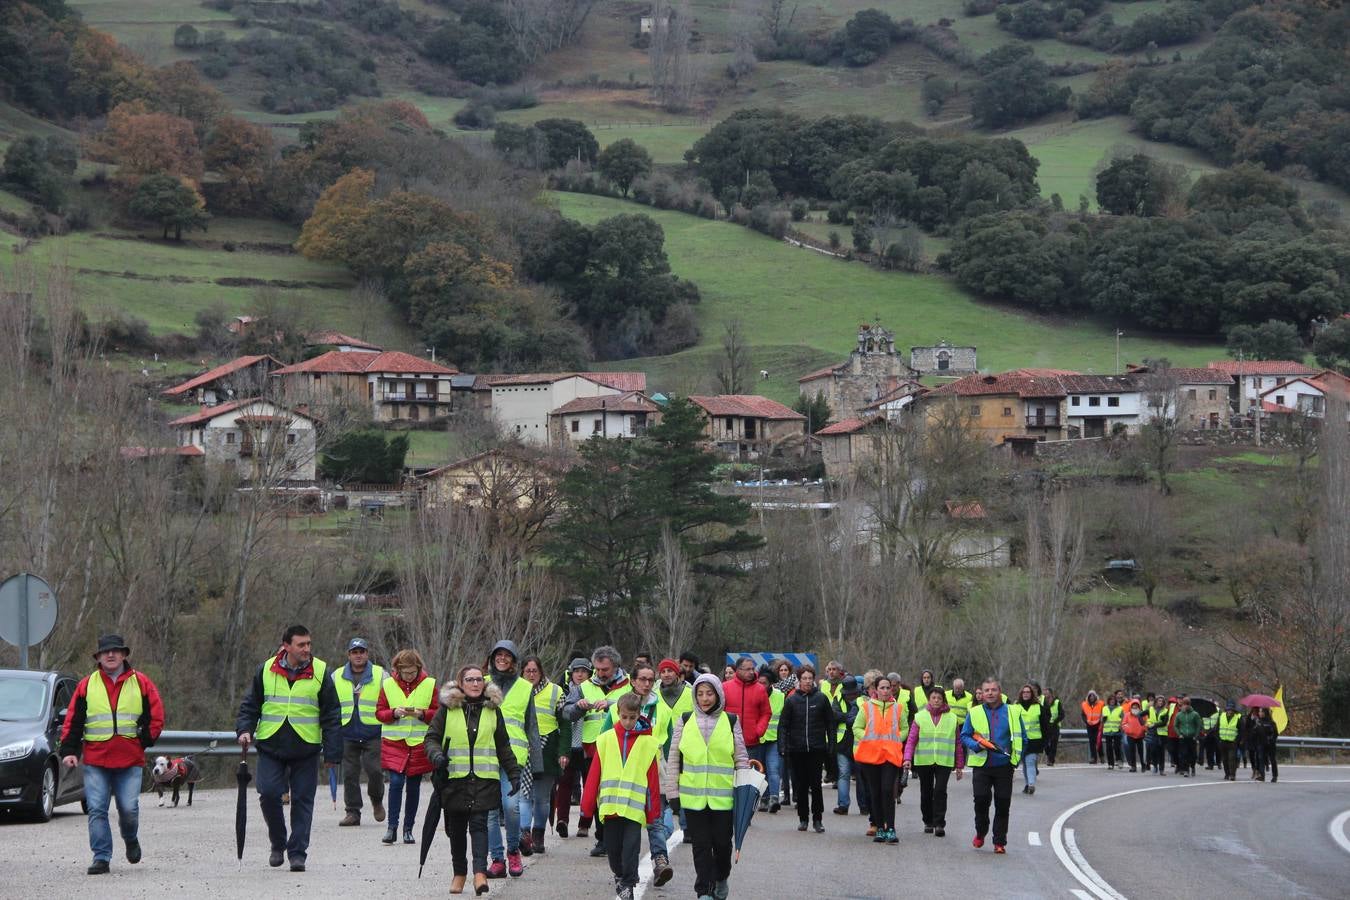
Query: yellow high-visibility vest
point(365, 705)
point(410, 729)
point(707, 769)
point(295, 702)
point(480, 760)
point(100, 722)
point(623, 782)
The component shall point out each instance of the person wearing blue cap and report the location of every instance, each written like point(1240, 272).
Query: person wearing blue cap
point(358, 689)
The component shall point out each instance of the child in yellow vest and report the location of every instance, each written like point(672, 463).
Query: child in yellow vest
point(623, 791)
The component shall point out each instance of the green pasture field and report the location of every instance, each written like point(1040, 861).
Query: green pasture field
point(787, 296)
point(428, 448)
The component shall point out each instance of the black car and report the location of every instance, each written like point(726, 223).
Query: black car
point(32, 707)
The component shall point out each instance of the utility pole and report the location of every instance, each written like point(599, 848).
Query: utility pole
point(432, 352)
point(1118, 334)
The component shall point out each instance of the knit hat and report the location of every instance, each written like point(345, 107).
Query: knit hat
point(667, 663)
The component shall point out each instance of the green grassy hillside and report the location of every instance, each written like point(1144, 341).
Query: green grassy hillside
point(801, 309)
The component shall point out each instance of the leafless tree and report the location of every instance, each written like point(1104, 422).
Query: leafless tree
point(1054, 546)
point(670, 621)
point(673, 74)
point(541, 26)
point(734, 371)
point(1156, 443)
point(777, 17)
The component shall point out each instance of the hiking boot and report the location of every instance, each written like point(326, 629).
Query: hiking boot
point(820, 829)
point(841, 810)
point(801, 826)
point(497, 869)
point(562, 829)
point(939, 831)
point(878, 835)
point(133, 851)
point(350, 820)
point(582, 831)
point(514, 865)
point(598, 850)
point(98, 867)
point(276, 858)
point(526, 845)
point(408, 835)
point(661, 870)
point(377, 809)
point(891, 836)
point(389, 836)
point(537, 840)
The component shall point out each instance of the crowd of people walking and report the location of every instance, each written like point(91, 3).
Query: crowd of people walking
point(510, 752)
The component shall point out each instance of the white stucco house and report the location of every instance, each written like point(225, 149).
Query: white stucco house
point(1096, 404)
point(625, 415)
point(258, 439)
point(521, 404)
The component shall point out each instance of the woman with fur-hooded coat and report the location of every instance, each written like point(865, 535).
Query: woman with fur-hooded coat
point(466, 800)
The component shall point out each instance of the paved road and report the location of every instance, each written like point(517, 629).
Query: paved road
point(1210, 838)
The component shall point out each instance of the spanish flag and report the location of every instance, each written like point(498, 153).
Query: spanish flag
point(1278, 715)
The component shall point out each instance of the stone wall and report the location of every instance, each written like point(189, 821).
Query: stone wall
point(961, 360)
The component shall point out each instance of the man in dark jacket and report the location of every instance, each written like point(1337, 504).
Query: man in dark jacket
point(359, 683)
point(292, 714)
point(113, 749)
point(804, 730)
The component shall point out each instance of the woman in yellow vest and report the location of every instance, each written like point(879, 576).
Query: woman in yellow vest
point(932, 750)
point(469, 749)
point(879, 748)
point(547, 755)
point(623, 789)
point(407, 703)
point(706, 749)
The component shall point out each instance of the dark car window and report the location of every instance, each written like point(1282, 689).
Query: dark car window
point(21, 698)
point(65, 689)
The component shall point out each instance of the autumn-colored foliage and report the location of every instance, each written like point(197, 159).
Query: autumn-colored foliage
point(337, 215)
point(143, 143)
point(241, 153)
point(180, 91)
point(105, 74)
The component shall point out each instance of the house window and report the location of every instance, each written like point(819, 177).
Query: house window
point(1094, 401)
point(975, 409)
point(1075, 401)
point(576, 426)
point(1213, 394)
point(1112, 401)
point(1190, 395)
point(1279, 381)
point(730, 424)
point(317, 377)
point(229, 437)
point(596, 425)
point(1007, 412)
point(1279, 399)
point(290, 438)
point(944, 361)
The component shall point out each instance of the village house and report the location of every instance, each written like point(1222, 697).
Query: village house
point(517, 485)
point(1197, 398)
point(893, 404)
point(845, 446)
point(338, 341)
point(872, 370)
point(625, 415)
point(748, 426)
point(1306, 395)
point(1250, 378)
point(943, 359)
point(257, 439)
point(521, 404)
point(247, 376)
point(1002, 408)
point(1101, 405)
point(395, 385)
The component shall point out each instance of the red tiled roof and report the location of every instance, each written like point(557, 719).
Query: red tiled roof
point(1262, 367)
point(329, 336)
point(206, 413)
point(1185, 375)
point(967, 509)
point(629, 401)
point(821, 373)
point(992, 385)
point(220, 371)
point(357, 362)
point(750, 405)
point(849, 426)
point(557, 464)
point(1269, 407)
point(1332, 383)
point(619, 381)
point(1041, 373)
point(143, 452)
point(1098, 384)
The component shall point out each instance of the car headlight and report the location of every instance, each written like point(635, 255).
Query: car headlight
point(16, 751)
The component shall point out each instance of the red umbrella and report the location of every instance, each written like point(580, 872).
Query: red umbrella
point(1263, 700)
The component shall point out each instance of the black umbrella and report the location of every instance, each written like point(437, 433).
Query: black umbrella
point(431, 820)
point(1204, 707)
point(243, 776)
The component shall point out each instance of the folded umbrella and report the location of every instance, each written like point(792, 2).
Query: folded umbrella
point(1251, 701)
point(332, 784)
point(750, 784)
point(243, 776)
point(431, 820)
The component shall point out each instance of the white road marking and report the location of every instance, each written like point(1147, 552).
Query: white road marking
point(1337, 829)
point(1034, 838)
point(1081, 894)
point(645, 867)
point(1070, 857)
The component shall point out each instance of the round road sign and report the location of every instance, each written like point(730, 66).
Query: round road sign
point(27, 610)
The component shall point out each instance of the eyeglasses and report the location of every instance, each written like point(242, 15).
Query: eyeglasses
point(475, 680)
point(647, 678)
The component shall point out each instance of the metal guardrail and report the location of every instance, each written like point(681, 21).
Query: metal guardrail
point(177, 743)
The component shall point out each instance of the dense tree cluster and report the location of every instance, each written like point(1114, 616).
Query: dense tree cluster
point(480, 46)
point(616, 277)
point(1014, 87)
point(38, 168)
point(547, 144)
point(1238, 252)
point(368, 455)
point(1269, 89)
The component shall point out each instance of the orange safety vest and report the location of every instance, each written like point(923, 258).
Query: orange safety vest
point(882, 741)
point(1092, 714)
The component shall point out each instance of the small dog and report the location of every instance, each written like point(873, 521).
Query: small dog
point(175, 773)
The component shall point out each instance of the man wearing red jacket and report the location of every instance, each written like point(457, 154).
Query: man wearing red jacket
point(114, 717)
point(747, 699)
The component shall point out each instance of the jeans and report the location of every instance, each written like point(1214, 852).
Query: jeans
point(773, 771)
point(845, 763)
point(623, 843)
point(512, 810)
point(534, 809)
point(397, 784)
point(1030, 768)
point(657, 834)
point(101, 786)
point(462, 828)
point(301, 778)
point(358, 757)
point(993, 783)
